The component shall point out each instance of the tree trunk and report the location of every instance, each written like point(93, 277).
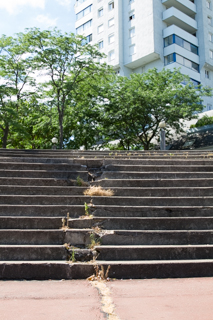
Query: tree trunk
point(61, 133)
point(5, 136)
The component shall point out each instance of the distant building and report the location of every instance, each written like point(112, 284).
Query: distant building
point(138, 35)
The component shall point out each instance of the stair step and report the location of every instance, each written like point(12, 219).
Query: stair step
point(159, 168)
point(56, 270)
point(31, 237)
point(40, 166)
point(44, 174)
point(118, 191)
point(151, 211)
point(44, 199)
point(30, 222)
point(155, 175)
point(107, 201)
point(156, 237)
point(48, 182)
point(41, 190)
point(158, 252)
point(149, 183)
point(32, 252)
point(139, 223)
point(41, 210)
point(76, 211)
point(156, 162)
point(45, 237)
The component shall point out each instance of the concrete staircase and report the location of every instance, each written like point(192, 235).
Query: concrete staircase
point(158, 224)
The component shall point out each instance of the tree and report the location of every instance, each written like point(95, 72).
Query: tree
point(67, 62)
point(16, 82)
point(204, 121)
point(136, 105)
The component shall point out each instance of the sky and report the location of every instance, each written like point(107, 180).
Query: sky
point(16, 15)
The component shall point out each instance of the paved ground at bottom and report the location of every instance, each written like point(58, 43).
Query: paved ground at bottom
point(163, 299)
point(155, 299)
point(44, 300)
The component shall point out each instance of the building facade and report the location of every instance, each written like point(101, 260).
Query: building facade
point(137, 35)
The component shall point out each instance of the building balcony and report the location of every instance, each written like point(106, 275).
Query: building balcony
point(186, 6)
point(174, 16)
point(181, 33)
point(181, 51)
point(192, 74)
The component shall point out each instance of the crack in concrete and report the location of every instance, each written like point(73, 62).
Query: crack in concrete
point(108, 307)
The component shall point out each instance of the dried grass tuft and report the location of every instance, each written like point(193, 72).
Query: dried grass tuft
point(98, 191)
point(100, 274)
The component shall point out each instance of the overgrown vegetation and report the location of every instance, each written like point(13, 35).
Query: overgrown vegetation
point(98, 191)
point(100, 274)
point(204, 121)
point(51, 84)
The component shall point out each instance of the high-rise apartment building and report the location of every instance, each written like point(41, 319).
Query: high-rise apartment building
point(137, 35)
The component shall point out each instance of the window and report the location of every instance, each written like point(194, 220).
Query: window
point(132, 50)
point(187, 63)
point(168, 41)
point(180, 42)
point(208, 4)
point(131, 15)
point(111, 5)
point(87, 39)
point(100, 12)
point(209, 20)
point(209, 107)
point(131, 32)
point(84, 12)
point(195, 82)
point(181, 60)
point(111, 22)
point(210, 37)
point(111, 38)
point(111, 55)
point(131, 1)
point(79, 2)
point(100, 28)
point(206, 74)
point(211, 54)
point(100, 44)
point(84, 26)
point(169, 59)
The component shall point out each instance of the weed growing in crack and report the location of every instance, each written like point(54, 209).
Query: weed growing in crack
point(63, 223)
point(94, 241)
point(86, 207)
point(73, 256)
point(80, 182)
point(98, 191)
point(100, 274)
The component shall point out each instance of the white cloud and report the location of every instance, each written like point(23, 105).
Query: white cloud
point(65, 3)
point(46, 21)
point(13, 6)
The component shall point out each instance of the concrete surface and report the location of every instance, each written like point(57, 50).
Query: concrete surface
point(155, 299)
point(54, 300)
point(168, 299)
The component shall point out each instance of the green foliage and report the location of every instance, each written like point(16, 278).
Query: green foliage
point(204, 121)
point(52, 85)
point(86, 207)
point(17, 84)
point(68, 64)
point(135, 106)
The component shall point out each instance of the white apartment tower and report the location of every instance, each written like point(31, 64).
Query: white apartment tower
point(137, 35)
